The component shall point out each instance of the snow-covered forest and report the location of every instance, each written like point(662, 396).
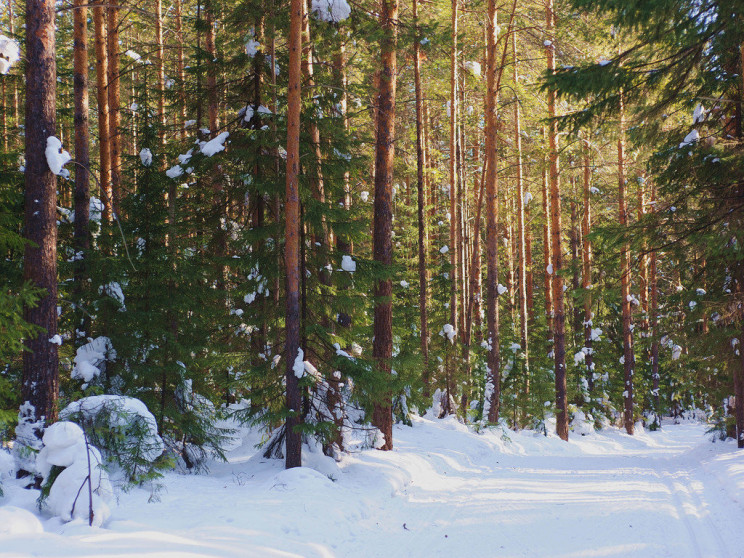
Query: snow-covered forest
point(371, 278)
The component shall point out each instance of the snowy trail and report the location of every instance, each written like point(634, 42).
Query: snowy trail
point(444, 491)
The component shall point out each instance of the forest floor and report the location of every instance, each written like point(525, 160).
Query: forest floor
point(443, 491)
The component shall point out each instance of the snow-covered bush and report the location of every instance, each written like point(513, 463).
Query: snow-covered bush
point(126, 432)
point(75, 484)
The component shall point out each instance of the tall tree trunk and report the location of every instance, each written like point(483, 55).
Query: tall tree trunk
point(547, 256)
point(161, 71)
point(654, 315)
point(559, 314)
point(382, 348)
point(40, 384)
point(112, 38)
point(521, 227)
point(493, 386)
point(292, 237)
point(210, 47)
point(628, 356)
point(586, 272)
point(82, 156)
point(11, 30)
point(181, 69)
point(454, 240)
point(423, 239)
point(574, 241)
point(104, 148)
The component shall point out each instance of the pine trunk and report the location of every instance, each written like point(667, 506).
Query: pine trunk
point(453, 193)
point(382, 349)
point(654, 315)
point(521, 228)
point(112, 38)
point(293, 456)
point(104, 150)
point(493, 386)
point(82, 155)
point(423, 239)
point(586, 273)
point(559, 314)
point(628, 356)
point(40, 385)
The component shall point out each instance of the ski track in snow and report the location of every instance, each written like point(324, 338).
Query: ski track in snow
point(444, 491)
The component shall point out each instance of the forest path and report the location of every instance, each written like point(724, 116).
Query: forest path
point(444, 491)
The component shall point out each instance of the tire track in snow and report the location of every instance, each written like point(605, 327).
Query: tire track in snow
point(699, 526)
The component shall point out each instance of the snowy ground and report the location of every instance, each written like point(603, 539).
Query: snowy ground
point(444, 491)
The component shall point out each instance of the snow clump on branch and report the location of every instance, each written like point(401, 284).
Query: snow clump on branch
point(332, 11)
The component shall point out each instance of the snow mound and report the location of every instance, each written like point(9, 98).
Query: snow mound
point(65, 446)
point(299, 478)
point(17, 521)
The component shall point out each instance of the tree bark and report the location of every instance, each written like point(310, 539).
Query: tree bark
point(210, 47)
point(423, 239)
point(181, 69)
point(628, 356)
point(40, 386)
point(521, 227)
point(112, 38)
point(454, 240)
point(293, 457)
point(382, 348)
point(82, 155)
point(493, 388)
point(547, 256)
point(586, 272)
point(104, 149)
point(559, 315)
point(654, 316)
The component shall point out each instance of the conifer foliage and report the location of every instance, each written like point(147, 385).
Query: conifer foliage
point(322, 217)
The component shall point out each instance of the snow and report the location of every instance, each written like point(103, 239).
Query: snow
point(56, 339)
point(174, 172)
point(90, 359)
point(252, 47)
point(364, 196)
point(527, 198)
point(473, 67)
point(444, 491)
point(444, 249)
point(690, 138)
point(298, 367)
point(146, 157)
point(549, 269)
point(121, 411)
point(332, 11)
point(404, 284)
point(56, 156)
point(114, 291)
point(698, 114)
point(64, 446)
point(215, 145)
point(10, 53)
point(348, 264)
point(501, 289)
point(448, 331)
